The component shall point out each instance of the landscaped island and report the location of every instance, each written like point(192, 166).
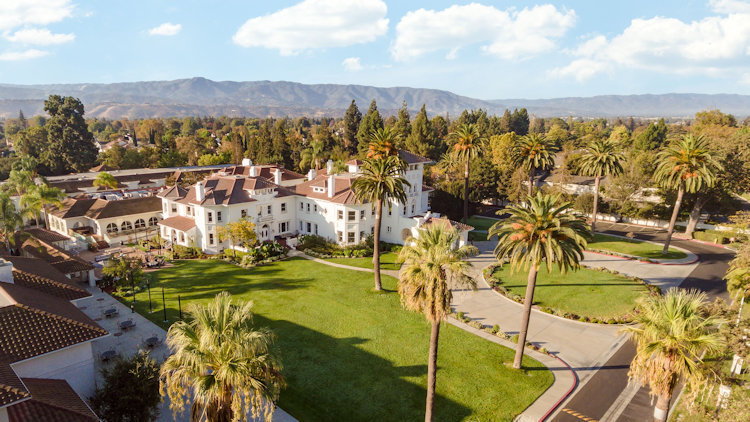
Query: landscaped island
point(590, 293)
point(350, 353)
point(637, 248)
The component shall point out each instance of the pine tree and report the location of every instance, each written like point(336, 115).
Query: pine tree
point(22, 123)
point(403, 124)
point(506, 122)
point(421, 140)
point(520, 122)
point(371, 123)
point(352, 119)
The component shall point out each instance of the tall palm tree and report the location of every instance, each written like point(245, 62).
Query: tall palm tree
point(543, 231)
point(533, 152)
point(19, 181)
point(381, 181)
point(433, 265)
point(685, 165)
point(106, 180)
point(228, 366)
point(383, 143)
point(601, 158)
point(313, 155)
point(45, 196)
point(467, 144)
point(31, 201)
point(10, 219)
point(672, 333)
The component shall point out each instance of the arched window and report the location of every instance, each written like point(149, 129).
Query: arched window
point(140, 224)
point(153, 221)
point(111, 228)
point(126, 226)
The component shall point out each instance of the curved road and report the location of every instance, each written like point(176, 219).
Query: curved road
point(606, 395)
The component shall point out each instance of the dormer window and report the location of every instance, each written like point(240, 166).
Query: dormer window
point(319, 189)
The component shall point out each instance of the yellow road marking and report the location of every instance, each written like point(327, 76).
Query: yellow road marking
point(579, 415)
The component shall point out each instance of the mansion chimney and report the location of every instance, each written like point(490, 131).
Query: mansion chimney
point(331, 186)
point(200, 192)
point(253, 171)
point(311, 174)
point(277, 176)
point(329, 166)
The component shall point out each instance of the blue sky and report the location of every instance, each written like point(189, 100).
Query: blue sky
point(487, 49)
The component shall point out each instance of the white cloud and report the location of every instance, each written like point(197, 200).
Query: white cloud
point(729, 6)
point(39, 37)
point(352, 64)
point(166, 29)
point(14, 56)
point(15, 13)
point(745, 79)
point(509, 34)
point(710, 46)
point(315, 24)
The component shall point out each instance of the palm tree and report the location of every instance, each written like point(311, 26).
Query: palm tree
point(106, 180)
point(10, 219)
point(312, 155)
point(383, 143)
point(433, 265)
point(223, 362)
point(672, 333)
point(41, 197)
point(19, 181)
point(533, 152)
point(31, 201)
point(467, 144)
point(381, 181)
point(601, 158)
point(541, 231)
point(685, 165)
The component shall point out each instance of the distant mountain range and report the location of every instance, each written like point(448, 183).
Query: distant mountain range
point(204, 97)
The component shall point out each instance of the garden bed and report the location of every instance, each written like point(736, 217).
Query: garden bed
point(587, 295)
point(631, 248)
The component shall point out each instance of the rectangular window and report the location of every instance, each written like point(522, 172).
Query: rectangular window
point(362, 214)
point(351, 216)
point(412, 208)
point(283, 207)
point(174, 208)
point(283, 227)
point(404, 209)
point(269, 210)
point(388, 229)
point(315, 208)
point(308, 207)
point(301, 206)
point(340, 214)
point(340, 236)
point(243, 213)
point(390, 211)
point(210, 238)
point(300, 225)
point(316, 229)
point(309, 227)
point(350, 237)
point(189, 210)
point(218, 216)
point(210, 217)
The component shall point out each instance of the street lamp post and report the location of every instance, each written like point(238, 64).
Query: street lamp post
point(164, 304)
point(148, 286)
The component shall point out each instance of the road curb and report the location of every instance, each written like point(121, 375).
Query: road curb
point(633, 258)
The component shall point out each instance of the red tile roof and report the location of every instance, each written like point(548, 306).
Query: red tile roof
point(51, 400)
point(46, 235)
point(179, 222)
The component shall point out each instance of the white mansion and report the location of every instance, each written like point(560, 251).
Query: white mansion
point(282, 203)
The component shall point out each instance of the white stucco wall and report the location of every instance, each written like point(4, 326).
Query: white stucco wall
point(74, 364)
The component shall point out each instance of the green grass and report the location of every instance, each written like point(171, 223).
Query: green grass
point(586, 292)
point(481, 223)
point(352, 354)
point(633, 247)
point(387, 261)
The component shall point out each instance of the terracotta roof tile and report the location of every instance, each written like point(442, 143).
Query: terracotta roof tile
point(343, 189)
point(61, 260)
point(179, 222)
point(411, 158)
point(51, 400)
point(47, 235)
point(51, 287)
point(11, 388)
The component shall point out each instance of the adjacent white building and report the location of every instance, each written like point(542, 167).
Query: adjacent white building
point(285, 204)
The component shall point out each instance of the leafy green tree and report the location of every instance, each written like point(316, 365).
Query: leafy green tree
point(240, 232)
point(129, 391)
point(433, 265)
point(313, 155)
point(106, 180)
point(403, 123)
point(352, 119)
point(506, 122)
point(652, 138)
point(467, 144)
point(533, 152)
point(371, 123)
point(519, 122)
point(124, 272)
point(671, 334)
point(685, 165)
point(381, 183)
point(70, 145)
point(222, 362)
point(10, 219)
point(601, 158)
point(543, 231)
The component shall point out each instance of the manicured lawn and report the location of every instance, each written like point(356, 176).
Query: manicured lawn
point(481, 223)
point(351, 354)
point(633, 247)
point(585, 292)
point(387, 261)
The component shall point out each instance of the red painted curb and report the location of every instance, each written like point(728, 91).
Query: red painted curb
point(562, 399)
point(697, 258)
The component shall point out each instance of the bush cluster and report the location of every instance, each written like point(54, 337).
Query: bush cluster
point(495, 330)
point(321, 247)
point(185, 252)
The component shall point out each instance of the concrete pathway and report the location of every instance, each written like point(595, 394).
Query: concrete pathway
point(127, 343)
